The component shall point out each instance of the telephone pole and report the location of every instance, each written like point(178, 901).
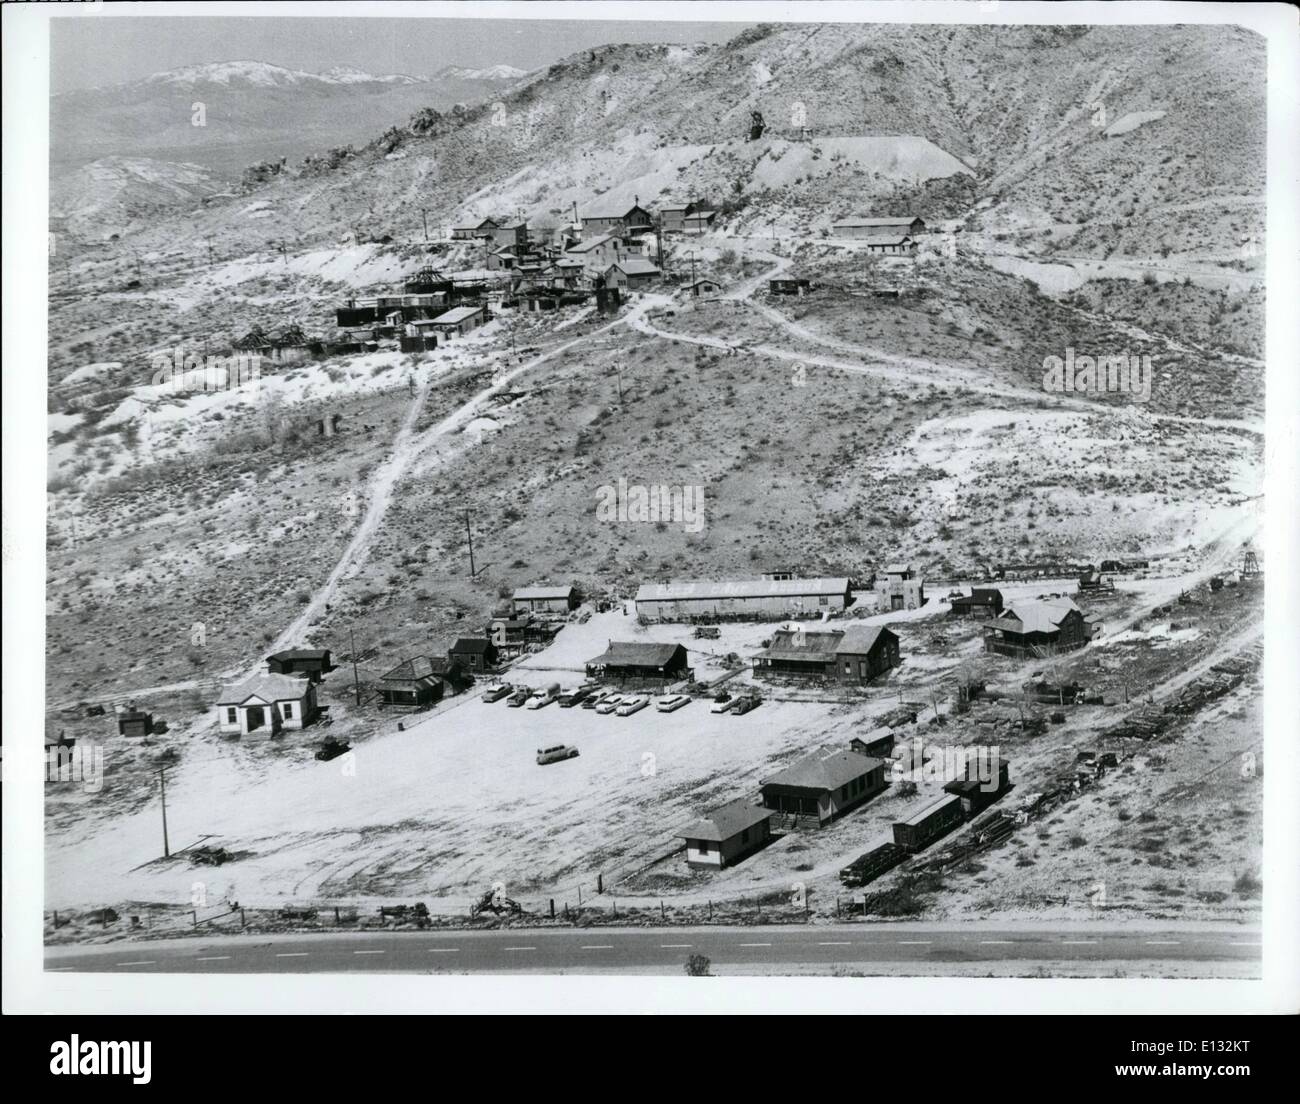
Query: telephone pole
point(356, 679)
point(424, 217)
point(469, 535)
point(162, 782)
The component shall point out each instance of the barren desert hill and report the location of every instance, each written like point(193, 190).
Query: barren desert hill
point(1067, 134)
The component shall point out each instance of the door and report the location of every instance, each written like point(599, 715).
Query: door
point(256, 718)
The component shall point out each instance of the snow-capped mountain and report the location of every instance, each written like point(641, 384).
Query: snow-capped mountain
point(491, 73)
point(261, 74)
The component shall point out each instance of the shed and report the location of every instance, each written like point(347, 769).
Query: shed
point(312, 662)
point(265, 704)
point(415, 683)
point(981, 603)
point(134, 723)
point(727, 834)
point(474, 653)
point(545, 599)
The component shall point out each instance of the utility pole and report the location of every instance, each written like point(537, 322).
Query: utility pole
point(162, 782)
point(469, 535)
point(356, 678)
point(424, 217)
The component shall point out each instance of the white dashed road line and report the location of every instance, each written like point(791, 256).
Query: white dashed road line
point(367, 952)
point(1162, 942)
point(291, 954)
point(146, 962)
point(753, 944)
point(443, 950)
point(598, 947)
point(673, 946)
point(213, 958)
point(1076, 942)
point(914, 942)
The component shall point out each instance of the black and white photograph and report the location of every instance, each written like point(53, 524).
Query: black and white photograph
point(651, 492)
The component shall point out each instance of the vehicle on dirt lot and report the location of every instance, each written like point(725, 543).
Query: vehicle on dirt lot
point(577, 696)
point(671, 702)
point(519, 697)
point(497, 692)
point(610, 703)
point(595, 698)
point(723, 703)
point(545, 697)
point(556, 754)
point(746, 704)
point(631, 705)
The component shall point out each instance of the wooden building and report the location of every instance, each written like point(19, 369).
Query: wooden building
point(864, 653)
point(824, 785)
point(727, 835)
point(702, 289)
point(415, 683)
point(460, 320)
point(598, 253)
point(878, 743)
point(981, 603)
point(478, 230)
point(925, 823)
point(851, 656)
point(134, 723)
point(632, 274)
point(266, 704)
point(746, 599)
point(314, 663)
point(1036, 628)
point(892, 245)
point(544, 599)
point(640, 664)
point(635, 217)
point(476, 654)
point(867, 228)
point(789, 285)
point(698, 221)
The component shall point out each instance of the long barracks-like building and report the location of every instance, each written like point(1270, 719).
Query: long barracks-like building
point(758, 599)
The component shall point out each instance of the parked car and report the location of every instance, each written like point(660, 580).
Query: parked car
point(496, 692)
point(671, 702)
point(570, 698)
point(631, 705)
point(610, 703)
point(519, 697)
point(545, 697)
point(556, 754)
point(595, 698)
point(746, 704)
point(723, 703)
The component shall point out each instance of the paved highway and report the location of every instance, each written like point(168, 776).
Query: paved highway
point(893, 948)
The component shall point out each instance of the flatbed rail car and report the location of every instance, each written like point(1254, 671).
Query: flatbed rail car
point(867, 868)
point(928, 822)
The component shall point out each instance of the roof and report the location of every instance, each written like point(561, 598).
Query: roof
point(798, 644)
point(472, 644)
point(860, 639)
point(743, 588)
point(300, 653)
point(1036, 615)
point(979, 596)
point(616, 214)
point(417, 667)
point(921, 812)
point(134, 715)
point(586, 246)
point(458, 314)
point(702, 214)
point(888, 239)
point(270, 688)
point(636, 654)
point(726, 821)
point(530, 593)
point(636, 266)
point(904, 220)
point(703, 280)
point(898, 569)
point(820, 771)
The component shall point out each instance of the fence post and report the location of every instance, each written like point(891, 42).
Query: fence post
point(552, 908)
point(662, 914)
point(194, 916)
point(242, 921)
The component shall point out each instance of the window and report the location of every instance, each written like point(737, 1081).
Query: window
point(232, 717)
point(288, 709)
point(704, 847)
point(848, 667)
point(862, 668)
point(823, 601)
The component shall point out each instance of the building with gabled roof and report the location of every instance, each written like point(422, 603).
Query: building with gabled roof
point(265, 704)
point(741, 599)
point(544, 599)
point(853, 656)
point(824, 785)
point(636, 662)
point(312, 662)
point(727, 834)
point(632, 273)
point(1036, 628)
point(981, 602)
point(857, 227)
point(475, 653)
